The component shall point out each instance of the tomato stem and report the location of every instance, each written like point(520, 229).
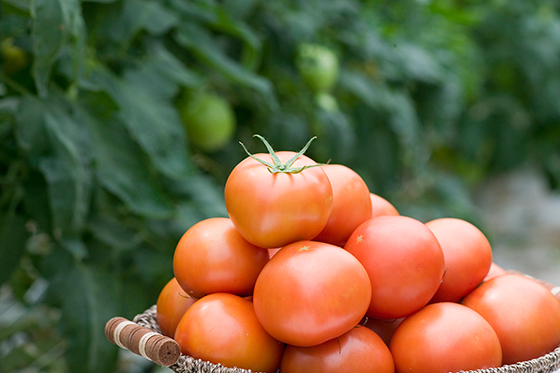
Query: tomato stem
point(278, 166)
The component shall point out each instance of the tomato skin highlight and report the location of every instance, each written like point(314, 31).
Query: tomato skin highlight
point(468, 257)
point(404, 261)
point(212, 257)
point(222, 328)
point(359, 350)
point(273, 210)
point(445, 337)
point(310, 292)
point(351, 204)
point(524, 314)
point(171, 305)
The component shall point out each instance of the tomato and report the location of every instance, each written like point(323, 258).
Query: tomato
point(383, 328)
point(171, 305)
point(212, 257)
point(380, 206)
point(358, 350)
point(318, 66)
point(495, 270)
point(351, 204)
point(445, 337)
point(272, 206)
point(468, 257)
point(404, 261)
point(524, 314)
point(209, 120)
point(222, 328)
point(310, 292)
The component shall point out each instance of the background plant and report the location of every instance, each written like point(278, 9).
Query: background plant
point(99, 179)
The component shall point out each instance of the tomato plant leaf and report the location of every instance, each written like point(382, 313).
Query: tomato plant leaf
point(122, 170)
point(199, 42)
point(69, 176)
point(54, 22)
point(161, 73)
point(87, 299)
point(13, 237)
point(148, 15)
point(48, 38)
point(153, 123)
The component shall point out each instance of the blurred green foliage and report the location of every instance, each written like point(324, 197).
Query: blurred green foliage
point(98, 177)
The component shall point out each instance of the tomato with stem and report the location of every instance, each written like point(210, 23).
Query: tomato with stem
point(278, 198)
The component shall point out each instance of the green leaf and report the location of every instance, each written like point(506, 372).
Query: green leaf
point(54, 23)
point(48, 38)
point(13, 238)
point(30, 131)
point(200, 43)
point(153, 123)
point(87, 299)
point(68, 174)
point(148, 15)
point(121, 169)
point(162, 74)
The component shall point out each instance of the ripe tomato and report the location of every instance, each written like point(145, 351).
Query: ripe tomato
point(495, 270)
point(380, 206)
point(524, 314)
point(318, 66)
point(310, 292)
point(358, 350)
point(468, 257)
point(212, 257)
point(274, 208)
point(209, 121)
point(222, 328)
point(445, 337)
point(351, 204)
point(404, 261)
point(171, 305)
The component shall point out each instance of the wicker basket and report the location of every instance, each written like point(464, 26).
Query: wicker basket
point(180, 363)
point(186, 364)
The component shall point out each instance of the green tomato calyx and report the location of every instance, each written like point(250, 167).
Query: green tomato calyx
point(278, 166)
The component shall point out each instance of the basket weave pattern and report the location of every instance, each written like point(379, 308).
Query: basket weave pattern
point(186, 364)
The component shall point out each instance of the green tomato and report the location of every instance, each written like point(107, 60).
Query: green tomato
point(14, 58)
point(209, 121)
point(318, 66)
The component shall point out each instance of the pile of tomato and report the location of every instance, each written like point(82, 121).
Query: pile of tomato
point(312, 272)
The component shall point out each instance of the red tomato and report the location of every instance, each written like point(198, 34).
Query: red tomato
point(171, 304)
point(468, 257)
point(212, 257)
point(383, 328)
point(351, 204)
point(380, 206)
point(222, 328)
point(274, 209)
point(404, 261)
point(310, 292)
point(445, 337)
point(358, 350)
point(524, 314)
point(495, 270)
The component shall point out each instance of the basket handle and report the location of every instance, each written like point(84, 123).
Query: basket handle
point(142, 341)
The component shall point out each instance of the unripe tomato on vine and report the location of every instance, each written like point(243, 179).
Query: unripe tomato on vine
point(318, 66)
point(208, 119)
point(14, 58)
point(278, 198)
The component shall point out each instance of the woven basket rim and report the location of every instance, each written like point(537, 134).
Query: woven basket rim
point(187, 364)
